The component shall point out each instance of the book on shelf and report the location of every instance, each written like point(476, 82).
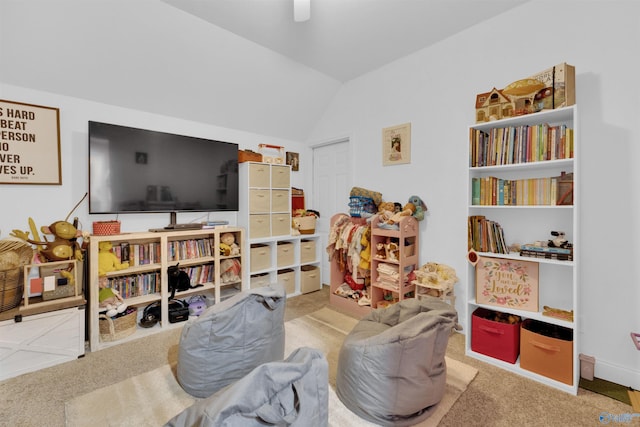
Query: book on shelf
point(546, 255)
point(547, 249)
point(520, 144)
point(215, 224)
point(124, 252)
point(547, 191)
point(486, 235)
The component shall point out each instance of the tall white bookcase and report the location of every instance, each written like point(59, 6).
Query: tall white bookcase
point(523, 223)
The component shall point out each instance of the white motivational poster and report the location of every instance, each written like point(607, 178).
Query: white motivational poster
point(29, 144)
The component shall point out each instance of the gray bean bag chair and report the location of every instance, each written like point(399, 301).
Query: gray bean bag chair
point(230, 339)
point(293, 392)
point(391, 367)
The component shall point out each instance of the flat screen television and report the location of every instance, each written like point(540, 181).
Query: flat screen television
point(136, 170)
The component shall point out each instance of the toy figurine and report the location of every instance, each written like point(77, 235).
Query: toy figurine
point(109, 299)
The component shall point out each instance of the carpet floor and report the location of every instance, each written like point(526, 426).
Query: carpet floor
point(152, 398)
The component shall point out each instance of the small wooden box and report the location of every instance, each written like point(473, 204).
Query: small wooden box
point(260, 256)
point(307, 251)
point(309, 278)
point(547, 350)
point(285, 254)
point(249, 156)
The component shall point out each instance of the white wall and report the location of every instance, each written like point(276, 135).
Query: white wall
point(435, 90)
point(46, 204)
point(150, 56)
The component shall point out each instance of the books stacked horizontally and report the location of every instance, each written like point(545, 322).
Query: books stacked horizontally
point(534, 251)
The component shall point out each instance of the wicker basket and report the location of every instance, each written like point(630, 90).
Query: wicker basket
point(306, 224)
point(11, 288)
point(113, 329)
point(14, 254)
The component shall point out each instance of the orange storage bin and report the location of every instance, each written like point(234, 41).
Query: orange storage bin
point(495, 339)
point(547, 349)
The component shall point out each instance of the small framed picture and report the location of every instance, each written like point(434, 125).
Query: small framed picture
point(141, 158)
point(293, 159)
point(396, 145)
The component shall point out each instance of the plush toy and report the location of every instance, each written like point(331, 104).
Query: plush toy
point(381, 253)
point(420, 206)
point(385, 206)
point(230, 270)
point(228, 245)
point(392, 250)
point(109, 299)
point(395, 218)
point(365, 254)
point(107, 260)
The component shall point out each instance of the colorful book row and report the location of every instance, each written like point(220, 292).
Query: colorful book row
point(136, 285)
point(200, 274)
point(149, 253)
point(138, 253)
point(549, 191)
point(190, 249)
point(519, 144)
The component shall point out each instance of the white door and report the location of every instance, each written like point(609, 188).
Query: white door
point(331, 189)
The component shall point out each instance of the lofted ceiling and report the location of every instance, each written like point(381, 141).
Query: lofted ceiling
point(346, 38)
point(237, 64)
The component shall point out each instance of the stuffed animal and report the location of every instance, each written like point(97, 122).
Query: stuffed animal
point(107, 260)
point(365, 253)
point(420, 206)
point(407, 210)
point(230, 270)
point(109, 299)
point(381, 253)
point(385, 206)
point(228, 245)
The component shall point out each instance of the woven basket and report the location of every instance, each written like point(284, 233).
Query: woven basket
point(113, 329)
point(11, 288)
point(14, 254)
point(306, 224)
point(106, 228)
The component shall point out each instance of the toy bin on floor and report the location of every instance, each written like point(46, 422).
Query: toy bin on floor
point(496, 339)
point(547, 349)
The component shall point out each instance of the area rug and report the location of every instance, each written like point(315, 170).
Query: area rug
point(152, 398)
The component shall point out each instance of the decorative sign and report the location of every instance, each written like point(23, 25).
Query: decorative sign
point(396, 145)
point(29, 144)
point(507, 283)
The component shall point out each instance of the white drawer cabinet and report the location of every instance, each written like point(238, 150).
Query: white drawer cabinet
point(41, 340)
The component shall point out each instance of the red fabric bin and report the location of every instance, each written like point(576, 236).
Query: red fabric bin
point(496, 339)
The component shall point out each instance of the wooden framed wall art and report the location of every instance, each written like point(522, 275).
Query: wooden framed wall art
point(29, 144)
point(507, 283)
point(396, 145)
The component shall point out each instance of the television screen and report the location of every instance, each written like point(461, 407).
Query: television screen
point(137, 170)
